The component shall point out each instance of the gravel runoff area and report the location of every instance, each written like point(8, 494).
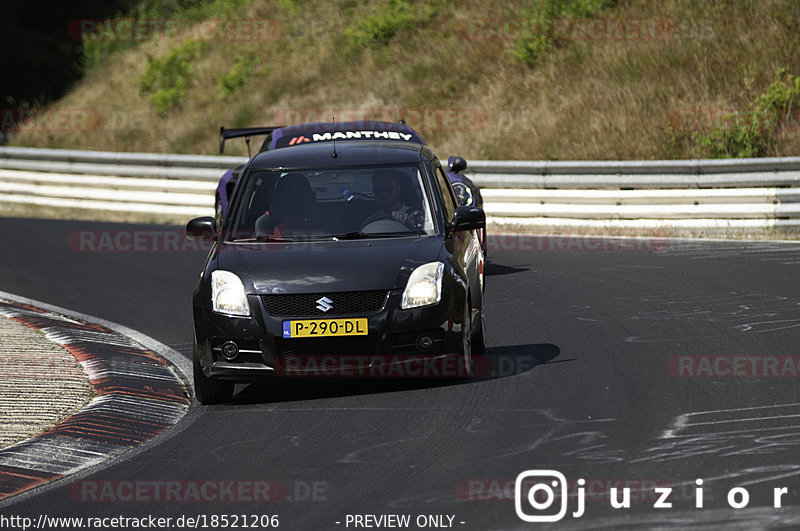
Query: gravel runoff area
point(77, 392)
point(41, 383)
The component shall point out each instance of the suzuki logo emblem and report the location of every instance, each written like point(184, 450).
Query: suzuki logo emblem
point(324, 304)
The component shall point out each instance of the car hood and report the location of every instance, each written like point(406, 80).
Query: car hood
point(313, 267)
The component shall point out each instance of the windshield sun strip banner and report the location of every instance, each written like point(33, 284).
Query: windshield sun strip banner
point(347, 135)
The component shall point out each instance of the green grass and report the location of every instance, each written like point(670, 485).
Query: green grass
point(546, 21)
point(754, 132)
point(110, 36)
point(382, 26)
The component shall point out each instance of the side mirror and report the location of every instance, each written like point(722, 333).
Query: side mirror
point(456, 164)
point(469, 218)
point(203, 229)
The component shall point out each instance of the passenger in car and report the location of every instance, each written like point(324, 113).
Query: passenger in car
point(291, 208)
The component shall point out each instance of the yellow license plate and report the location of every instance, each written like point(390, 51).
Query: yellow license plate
point(325, 327)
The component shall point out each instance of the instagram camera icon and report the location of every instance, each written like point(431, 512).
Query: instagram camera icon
point(540, 495)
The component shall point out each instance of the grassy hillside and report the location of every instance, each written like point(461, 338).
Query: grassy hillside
point(547, 79)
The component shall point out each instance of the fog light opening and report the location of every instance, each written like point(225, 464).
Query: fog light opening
point(424, 342)
point(230, 350)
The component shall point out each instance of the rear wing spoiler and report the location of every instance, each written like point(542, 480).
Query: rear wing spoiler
point(247, 132)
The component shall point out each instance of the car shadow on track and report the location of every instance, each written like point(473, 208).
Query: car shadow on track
point(512, 360)
point(499, 362)
point(493, 269)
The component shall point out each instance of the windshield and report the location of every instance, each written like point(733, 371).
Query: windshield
point(364, 202)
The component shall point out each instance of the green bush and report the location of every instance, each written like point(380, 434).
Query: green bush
point(166, 80)
point(231, 81)
point(542, 19)
point(752, 133)
point(737, 135)
point(381, 27)
point(781, 98)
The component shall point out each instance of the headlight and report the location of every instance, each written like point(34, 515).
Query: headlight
point(227, 294)
point(424, 286)
point(463, 194)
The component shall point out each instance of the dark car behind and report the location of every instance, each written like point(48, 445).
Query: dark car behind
point(467, 192)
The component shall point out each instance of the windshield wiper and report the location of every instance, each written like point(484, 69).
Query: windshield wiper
point(263, 238)
point(358, 235)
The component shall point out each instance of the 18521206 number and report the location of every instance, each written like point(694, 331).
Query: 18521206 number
point(223, 521)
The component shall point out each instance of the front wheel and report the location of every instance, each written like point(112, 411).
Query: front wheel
point(209, 390)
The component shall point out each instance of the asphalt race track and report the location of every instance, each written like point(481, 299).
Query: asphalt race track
point(627, 364)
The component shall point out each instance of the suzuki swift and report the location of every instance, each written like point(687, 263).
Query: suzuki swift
point(338, 259)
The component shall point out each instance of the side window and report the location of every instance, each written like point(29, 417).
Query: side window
point(255, 198)
point(448, 197)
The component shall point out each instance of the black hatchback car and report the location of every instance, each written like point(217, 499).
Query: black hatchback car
point(339, 259)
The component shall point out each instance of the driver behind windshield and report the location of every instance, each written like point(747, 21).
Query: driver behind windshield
point(386, 184)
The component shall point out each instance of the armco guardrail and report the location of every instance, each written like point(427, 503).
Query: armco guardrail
point(182, 185)
point(200, 167)
point(704, 194)
point(690, 194)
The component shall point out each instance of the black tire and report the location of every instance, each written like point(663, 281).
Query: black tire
point(209, 390)
point(479, 336)
point(466, 341)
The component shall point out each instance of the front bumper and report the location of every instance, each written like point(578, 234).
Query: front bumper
point(421, 342)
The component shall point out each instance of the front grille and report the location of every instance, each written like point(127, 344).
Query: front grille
point(344, 303)
point(326, 346)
